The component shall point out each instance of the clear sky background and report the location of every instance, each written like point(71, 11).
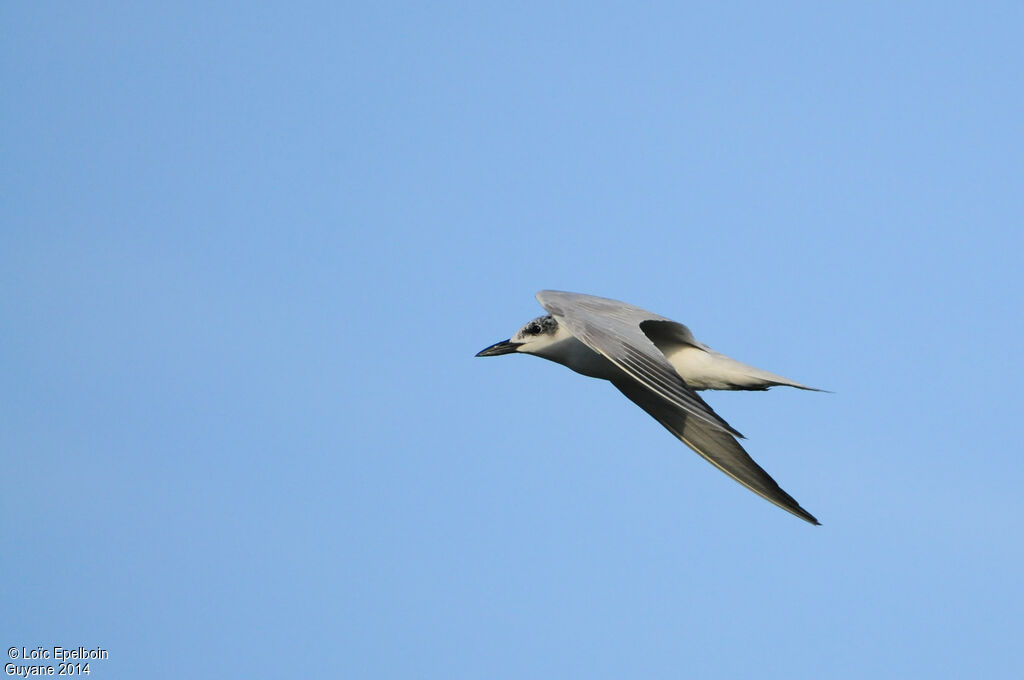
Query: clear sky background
point(247, 254)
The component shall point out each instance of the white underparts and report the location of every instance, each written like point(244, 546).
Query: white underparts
point(706, 369)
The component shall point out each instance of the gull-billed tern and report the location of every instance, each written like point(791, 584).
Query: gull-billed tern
point(659, 365)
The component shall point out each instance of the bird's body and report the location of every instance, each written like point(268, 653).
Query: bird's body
point(659, 365)
point(700, 367)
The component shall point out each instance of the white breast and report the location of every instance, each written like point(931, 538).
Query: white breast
point(570, 352)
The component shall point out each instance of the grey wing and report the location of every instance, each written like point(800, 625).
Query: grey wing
point(612, 328)
point(718, 448)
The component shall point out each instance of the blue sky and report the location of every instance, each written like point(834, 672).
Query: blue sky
point(247, 254)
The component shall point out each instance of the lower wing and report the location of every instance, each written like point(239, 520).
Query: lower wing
point(717, 447)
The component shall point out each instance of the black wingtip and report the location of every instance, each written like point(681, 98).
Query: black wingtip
point(806, 516)
point(797, 510)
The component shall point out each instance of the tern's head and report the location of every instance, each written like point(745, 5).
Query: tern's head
point(531, 338)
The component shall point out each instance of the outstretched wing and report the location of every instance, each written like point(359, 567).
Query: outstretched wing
point(718, 448)
point(612, 328)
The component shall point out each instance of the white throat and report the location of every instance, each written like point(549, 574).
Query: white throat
point(563, 348)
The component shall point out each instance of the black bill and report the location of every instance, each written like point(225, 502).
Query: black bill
point(499, 348)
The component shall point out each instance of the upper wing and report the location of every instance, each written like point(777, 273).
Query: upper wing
point(612, 328)
point(719, 448)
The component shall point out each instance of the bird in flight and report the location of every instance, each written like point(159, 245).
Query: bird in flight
point(659, 366)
